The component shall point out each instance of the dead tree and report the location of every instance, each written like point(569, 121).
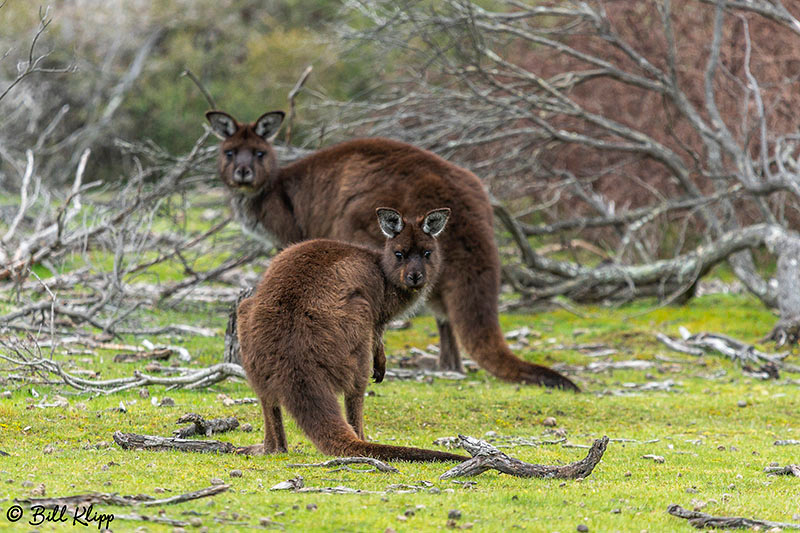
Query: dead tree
point(660, 131)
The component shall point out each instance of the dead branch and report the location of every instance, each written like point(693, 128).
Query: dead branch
point(292, 95)
point(101, 498)
point(703, 520)
point(487, 457)
point(133, 441)
point(28, 358)
point(379, 465)
point(201, 426)
point(788, 470)
point(734, 349)
point(207, 95)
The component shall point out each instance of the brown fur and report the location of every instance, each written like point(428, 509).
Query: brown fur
point(313, 329)
point(333, 194)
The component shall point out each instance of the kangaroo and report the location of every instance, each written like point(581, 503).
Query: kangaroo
point(333, 194)
point(314, 326)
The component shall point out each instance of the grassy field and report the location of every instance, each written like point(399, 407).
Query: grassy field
point(714, 428)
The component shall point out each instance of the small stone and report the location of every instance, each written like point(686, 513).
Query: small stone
point(311, 507)
point(39, 490)
point(159, 490)
point(721, 448)
point(247, 428)
point(48, 449)
point(774, 530)
point(562, 484)
point(549, 422)
point(295, 507)
point(742, 403)
point(5, 394)
point(434, 490)
point(454, 514)
point(178, 530)
point(452, 524)
point(628, 473)
point(217, 481)
point(236, 473)
point(796, 517)
point(279, 514)
point(409, 512)
point(144, 393)
point(583, 528)
point(26, 484)
point(698, 505)
point(616, 511)
point(195, 522)
point(390, 530)
point(774, 463)
point(166, 402)
point(467, 525)
point(402, 518)
point(692, 490)
point(106, 483)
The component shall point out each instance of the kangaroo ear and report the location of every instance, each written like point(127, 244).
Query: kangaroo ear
point(435, 221)
point(222, 124)
point(268, 124)
point(390, 220)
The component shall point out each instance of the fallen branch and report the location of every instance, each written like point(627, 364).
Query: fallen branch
point(703, 520)
point(102, 498)
point(788, 470)
point(379, 465)
point(189, 378)
point(134, 441)
point(487, 457)
point(734, 349)
point(201, 426)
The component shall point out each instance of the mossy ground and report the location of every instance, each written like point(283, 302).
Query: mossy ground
point(714, 449)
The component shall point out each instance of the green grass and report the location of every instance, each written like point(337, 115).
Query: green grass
point(711, 446)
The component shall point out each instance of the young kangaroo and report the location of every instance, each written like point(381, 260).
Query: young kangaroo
point(333, 194)
point(313, 329)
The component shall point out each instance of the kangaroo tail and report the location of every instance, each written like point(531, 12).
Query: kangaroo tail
point(319, 415)
point(473, 316)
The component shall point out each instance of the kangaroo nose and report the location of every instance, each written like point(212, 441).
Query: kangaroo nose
point(414, 279)
point(243, 175)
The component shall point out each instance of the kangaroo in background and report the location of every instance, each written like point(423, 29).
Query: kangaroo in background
point(314, 326)
point(333, 194)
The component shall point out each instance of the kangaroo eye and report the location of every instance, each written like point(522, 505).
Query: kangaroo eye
point(260, 154)
point(427, 254)
point(228, 153)
point(398, 255)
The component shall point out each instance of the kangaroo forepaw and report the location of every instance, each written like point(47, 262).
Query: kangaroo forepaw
point(378, 374)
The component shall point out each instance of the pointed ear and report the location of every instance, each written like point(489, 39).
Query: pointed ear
point(435, 221)
point(268, 124)
point(390, 221)
point(222, 124)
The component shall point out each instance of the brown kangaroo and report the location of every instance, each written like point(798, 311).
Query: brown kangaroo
point(314, 326)
point(333, 194)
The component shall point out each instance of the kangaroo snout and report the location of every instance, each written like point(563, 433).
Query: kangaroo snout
point(415, 279)
point(243, 175)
